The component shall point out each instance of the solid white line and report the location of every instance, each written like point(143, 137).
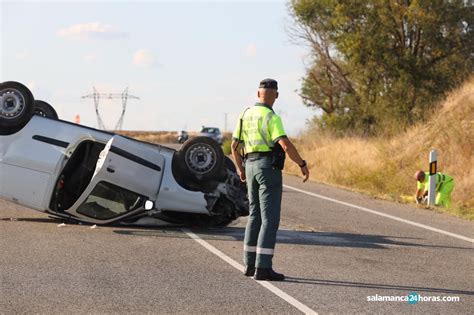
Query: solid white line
point(423, 226)
point(289, 299)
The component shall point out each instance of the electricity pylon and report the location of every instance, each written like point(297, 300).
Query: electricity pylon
point(97, 96)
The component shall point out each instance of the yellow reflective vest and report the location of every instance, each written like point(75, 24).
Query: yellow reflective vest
point(261, 129)
point(441, 179)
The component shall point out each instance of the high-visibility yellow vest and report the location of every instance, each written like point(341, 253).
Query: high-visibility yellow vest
point(441, 179)
point(261, 128)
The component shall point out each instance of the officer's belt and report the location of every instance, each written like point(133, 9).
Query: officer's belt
point(258, 154)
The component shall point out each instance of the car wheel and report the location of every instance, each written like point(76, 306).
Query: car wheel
point(45, 110)
point(202, 157)
point(16, 106)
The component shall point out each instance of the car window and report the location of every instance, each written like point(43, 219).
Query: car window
point(76, 175)
point(108, 201)
point(210, 130)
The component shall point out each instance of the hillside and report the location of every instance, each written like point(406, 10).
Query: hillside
point(385, 168)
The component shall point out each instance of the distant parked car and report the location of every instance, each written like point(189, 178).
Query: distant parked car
point(211, 132)
point(182, 136)
point(83, 174)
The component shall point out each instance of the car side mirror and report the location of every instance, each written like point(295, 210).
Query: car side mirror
point(149, 205)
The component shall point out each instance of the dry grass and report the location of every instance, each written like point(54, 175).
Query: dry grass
point(385, 168)
point(158, 137)
point(153, 136)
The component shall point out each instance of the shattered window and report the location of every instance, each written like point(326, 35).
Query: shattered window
point(108, 201)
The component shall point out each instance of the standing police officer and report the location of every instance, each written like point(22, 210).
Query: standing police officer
point(261, 133)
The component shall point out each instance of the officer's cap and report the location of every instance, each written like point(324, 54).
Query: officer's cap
point(269, 84)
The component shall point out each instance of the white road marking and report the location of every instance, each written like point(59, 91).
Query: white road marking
point(289, 299)
point(423, 226)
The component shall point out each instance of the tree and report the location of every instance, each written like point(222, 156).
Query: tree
point(382, 65)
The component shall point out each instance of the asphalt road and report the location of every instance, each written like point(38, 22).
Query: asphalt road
point(335, 256)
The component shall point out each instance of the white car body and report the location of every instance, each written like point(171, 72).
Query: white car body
point(33, 173)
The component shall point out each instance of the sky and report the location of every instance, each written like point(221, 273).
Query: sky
point(190, 63)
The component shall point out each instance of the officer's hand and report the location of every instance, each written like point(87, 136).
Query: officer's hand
point(305, 172)
point(242, 177)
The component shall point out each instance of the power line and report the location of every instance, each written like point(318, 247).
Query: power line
point(124, 96)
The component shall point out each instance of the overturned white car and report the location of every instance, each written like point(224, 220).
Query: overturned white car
point(89, 175)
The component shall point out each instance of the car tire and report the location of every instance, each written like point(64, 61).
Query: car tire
point(16, 106)
point(43, 109)
point(202, 158)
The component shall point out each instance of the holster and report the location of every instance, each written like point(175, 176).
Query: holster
point(278, 158)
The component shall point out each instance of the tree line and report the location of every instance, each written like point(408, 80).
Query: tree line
point(379, 66)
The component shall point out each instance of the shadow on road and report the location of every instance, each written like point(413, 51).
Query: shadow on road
point(294, 237)
point(375, 286)
point(290, 237)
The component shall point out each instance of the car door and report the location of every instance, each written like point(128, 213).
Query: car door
point(127, 174)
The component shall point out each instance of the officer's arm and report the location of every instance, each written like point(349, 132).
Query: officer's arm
point(290, 149)
point(418, 195)
point(237, 158)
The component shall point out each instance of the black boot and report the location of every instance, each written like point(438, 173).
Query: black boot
point(268, 274)
point(249, 271)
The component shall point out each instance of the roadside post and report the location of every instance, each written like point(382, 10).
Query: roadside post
point(432, 181)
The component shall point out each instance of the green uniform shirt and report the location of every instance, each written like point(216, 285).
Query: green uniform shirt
point(261, 129)
point(440, 179)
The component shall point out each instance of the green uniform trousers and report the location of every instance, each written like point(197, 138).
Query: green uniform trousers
point(264, 186)
point(443, 196)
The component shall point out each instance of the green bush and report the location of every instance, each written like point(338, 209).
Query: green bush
point(226, 146)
